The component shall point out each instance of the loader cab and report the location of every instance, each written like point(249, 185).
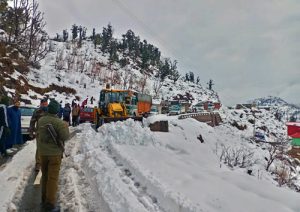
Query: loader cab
point(110, 101)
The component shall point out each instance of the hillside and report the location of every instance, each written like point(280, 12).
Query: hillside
point(231, 158)
point(283, 110)
point(69, 72)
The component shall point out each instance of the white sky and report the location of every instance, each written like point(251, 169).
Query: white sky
point(249, 48)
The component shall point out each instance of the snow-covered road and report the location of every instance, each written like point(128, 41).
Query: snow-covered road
point(126, 167)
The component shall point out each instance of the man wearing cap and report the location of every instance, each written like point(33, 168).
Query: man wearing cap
point(50, 152)
point(37, 114)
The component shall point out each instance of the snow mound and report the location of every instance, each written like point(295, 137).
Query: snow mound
point(135, 133)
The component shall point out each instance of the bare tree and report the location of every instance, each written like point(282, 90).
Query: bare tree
point(59, 60)
point(157, 85)
point(124, 79)
point(273, 151)
point(142, 83)
point(70, 61)
point(283, 173)
point(131, 81)
point(116, 79)
point(37, 36)
point(80, 64)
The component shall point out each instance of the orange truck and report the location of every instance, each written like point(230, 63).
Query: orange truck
point(144, 103)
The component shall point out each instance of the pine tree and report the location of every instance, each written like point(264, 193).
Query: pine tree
point(112, 50)
point(174, 74)
point(80, 35)
point(191, 76)
point(3, 8)
point(107, 35)
point(65, 35)
point(164, 69)
point(74, 31)
point(210, 84)
point(145, 55)
point(84, 33)
point(97, 40)
point(187, 77)
point(94, 34)
point(198, 80)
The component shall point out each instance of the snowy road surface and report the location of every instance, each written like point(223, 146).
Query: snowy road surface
point(126, 167)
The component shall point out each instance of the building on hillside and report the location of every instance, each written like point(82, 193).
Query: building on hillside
point(158, 104)
point(245, 106)
point(293, 128)
point(293, 131)
point(296, 139)
point(187, 97)
point(265, 107)
point(183, 100)
point(164, 106)
point(217, 105)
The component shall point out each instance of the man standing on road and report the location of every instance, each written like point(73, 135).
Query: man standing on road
point(38, 113)
point(14, 122)
point(4, 128)
point(52, 132)
point(75, 115)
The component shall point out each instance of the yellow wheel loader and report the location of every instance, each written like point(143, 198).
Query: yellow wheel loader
point(112, 107)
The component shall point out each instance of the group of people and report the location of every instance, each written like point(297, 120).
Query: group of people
point(10, 125)
point(50, 132)
point(73, 111)
point(66, 112)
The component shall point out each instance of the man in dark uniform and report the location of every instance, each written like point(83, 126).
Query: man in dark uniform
point(52, 132)
point(38, 113)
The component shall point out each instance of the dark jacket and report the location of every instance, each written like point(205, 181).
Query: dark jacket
point(3, 119)
point(37, 114)
point(14, 122)
point(45, 144)
point(66, 112)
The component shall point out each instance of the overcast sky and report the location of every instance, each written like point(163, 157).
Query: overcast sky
point(250, 48)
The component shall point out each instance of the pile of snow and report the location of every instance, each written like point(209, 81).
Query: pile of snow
point(126, 167)
point(14, 175)
point(174, 171)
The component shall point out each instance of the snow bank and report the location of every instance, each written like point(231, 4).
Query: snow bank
point(15, 173)
point(145, 171)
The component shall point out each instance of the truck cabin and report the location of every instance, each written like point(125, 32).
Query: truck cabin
point(109, 96)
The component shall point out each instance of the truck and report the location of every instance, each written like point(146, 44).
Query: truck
point(138, 104)
point(144, 103)
point(118, 105)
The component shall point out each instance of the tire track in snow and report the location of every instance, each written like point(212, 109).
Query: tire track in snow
point(76, 194)
point(137, 187)
point(164, 200)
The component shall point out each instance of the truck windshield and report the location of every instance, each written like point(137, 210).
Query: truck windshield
point(116, 97)
point(26, 111)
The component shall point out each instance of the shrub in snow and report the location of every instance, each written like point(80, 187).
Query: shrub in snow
point(239, 126)
point(273, 153)
point(283, 174)
point(235, 156)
